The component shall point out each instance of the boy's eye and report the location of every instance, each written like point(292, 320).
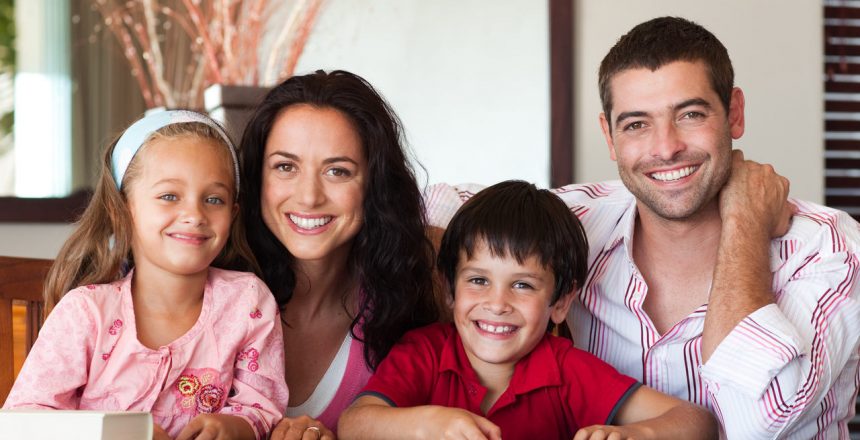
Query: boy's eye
point(522, 285)
point(168, 197)
point(478, 281)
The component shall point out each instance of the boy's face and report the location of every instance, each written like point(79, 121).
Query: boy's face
point(502, 307)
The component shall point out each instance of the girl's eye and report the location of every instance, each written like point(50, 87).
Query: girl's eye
point(168, 197)
point(338, 172)
point(215, 200)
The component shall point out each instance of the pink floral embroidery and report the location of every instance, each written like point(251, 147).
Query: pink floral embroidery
point(105, 356)
point(256, 314)
point(237, 408)
point(250, 355)
point(114, 328)
point(91, 286)
point(257, 405)
point(209, 398)
point(199, 391)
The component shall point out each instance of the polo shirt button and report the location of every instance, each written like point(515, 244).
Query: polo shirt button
point(472, 390)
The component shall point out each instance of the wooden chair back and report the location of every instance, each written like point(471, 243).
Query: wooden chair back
point(21, 280)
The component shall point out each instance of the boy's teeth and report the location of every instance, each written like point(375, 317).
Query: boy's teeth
point(310, 223)
point(497, 329)
point(668, 176)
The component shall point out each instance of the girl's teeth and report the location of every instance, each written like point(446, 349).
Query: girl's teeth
point(310, 223)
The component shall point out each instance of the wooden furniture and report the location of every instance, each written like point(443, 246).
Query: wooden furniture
point(20, 281)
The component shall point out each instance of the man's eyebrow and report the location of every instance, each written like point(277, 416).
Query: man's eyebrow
point(691, 102)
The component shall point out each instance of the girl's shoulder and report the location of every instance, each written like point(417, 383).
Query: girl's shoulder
point(98, 294)
point(232, 286)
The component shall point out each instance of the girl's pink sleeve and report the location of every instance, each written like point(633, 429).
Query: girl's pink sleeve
point(57, 365)
point(260, 391)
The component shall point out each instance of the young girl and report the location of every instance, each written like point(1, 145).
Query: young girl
point(198, 347)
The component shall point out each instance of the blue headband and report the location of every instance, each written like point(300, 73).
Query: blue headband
point(134, 137)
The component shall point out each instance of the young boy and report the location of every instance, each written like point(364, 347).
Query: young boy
point(512, 255)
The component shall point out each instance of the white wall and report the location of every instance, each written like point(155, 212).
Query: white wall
point(33, 240)
point(468, 78)
point(776, 49)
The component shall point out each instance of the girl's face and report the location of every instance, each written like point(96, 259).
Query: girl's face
point(182, 203)
point(314, 171)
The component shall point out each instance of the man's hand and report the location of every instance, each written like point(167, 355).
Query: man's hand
point(756, 199)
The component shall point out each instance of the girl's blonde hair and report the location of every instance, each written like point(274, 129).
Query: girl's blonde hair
point(99, 250)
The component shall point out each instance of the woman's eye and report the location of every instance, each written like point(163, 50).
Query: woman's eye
point(168, 197)
point(285, 167)
point(338, 172)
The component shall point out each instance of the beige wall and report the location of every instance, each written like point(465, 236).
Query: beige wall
point(489, 52)
point(775, 46)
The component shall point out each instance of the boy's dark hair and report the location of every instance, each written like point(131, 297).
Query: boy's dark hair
point(658, 42)
point(515, 218)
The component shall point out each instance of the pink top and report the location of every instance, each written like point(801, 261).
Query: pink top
point(354, 379)
point(231, 361)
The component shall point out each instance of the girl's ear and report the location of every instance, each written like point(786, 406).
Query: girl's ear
point(235, 211)
point(561, 307)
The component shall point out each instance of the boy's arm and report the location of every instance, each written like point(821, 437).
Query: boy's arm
point(650, 414)
point(371, 417)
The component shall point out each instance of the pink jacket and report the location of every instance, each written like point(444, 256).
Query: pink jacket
point(231, 361)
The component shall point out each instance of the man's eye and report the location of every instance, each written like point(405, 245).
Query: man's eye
point(693, 115)
point(168, 197)
point(634, 126)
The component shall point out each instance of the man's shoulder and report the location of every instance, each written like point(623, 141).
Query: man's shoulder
point(830, 228)
point(610, 195)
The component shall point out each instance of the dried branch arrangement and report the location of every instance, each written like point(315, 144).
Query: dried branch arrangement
point(177, 48)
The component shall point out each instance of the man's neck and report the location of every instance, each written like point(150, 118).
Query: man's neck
point(678, 242)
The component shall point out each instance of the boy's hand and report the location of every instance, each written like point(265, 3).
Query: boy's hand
point(301, 428)
point(453, 423)
point(158, 433)
point(606, 432)
point(216, 427)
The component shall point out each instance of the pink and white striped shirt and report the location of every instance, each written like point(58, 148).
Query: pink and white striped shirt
point(787, 370)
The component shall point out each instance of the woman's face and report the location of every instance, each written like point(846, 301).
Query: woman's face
point(314, 171)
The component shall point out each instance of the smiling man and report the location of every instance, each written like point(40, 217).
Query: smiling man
point(697, 284)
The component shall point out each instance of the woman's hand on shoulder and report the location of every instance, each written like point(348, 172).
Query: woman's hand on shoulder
point(301, 428)
point(216, 426)
point(158, 433)
point(608, 432)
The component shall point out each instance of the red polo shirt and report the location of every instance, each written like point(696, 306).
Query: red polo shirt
point(555, 389)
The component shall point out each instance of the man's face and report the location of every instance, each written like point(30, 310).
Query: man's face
point(671, 137)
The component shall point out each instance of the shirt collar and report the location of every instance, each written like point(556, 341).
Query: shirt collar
point(536, 370)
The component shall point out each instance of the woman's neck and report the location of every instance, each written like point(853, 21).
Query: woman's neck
point(322, 286)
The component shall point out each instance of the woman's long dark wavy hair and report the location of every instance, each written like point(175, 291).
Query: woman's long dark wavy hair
point(390, 256)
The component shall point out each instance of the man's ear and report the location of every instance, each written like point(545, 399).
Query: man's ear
point(736, 113)
point(607, 134)
point(561, 307)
